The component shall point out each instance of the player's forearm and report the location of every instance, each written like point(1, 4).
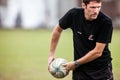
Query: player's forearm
point(55, 38)
point(90, 56)
point(93, 54)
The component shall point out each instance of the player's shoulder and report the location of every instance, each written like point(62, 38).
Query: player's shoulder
point(76, 10)
point(105, 17)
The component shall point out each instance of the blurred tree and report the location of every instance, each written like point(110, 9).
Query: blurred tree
point(3, 2)
point(111, 8)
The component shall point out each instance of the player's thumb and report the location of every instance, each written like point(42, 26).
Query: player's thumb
point(64, 65)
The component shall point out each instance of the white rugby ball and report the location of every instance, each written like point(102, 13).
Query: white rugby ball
point(57, 69)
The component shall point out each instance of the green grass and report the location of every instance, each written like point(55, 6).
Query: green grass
point(24, 54)
point(115, 49)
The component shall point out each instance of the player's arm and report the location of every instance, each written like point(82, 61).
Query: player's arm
point(90, 56)
point(93, 54)
point(54, 41)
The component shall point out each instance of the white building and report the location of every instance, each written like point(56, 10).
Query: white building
point(32, 13)
point(35, 13)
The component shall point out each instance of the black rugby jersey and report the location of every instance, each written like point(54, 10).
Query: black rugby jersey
point(87, 33)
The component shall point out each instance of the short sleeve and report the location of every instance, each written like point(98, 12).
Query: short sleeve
point(105, 33)
point(66, 21)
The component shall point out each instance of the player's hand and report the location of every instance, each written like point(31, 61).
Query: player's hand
point(50, 59)
point(69, 66)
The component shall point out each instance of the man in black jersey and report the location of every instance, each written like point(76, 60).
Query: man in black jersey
point(92, 33)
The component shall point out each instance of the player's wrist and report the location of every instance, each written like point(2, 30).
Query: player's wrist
point(77, 64)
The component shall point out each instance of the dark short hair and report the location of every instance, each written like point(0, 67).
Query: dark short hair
point(88, 1)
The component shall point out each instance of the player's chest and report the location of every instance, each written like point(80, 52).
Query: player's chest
point(85, 31)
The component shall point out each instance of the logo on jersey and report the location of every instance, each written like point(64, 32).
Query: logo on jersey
point(79, 32)
point(91, 37)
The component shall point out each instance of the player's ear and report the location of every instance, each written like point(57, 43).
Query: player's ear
point(83, 5)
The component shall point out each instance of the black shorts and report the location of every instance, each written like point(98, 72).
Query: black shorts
point(101, 74)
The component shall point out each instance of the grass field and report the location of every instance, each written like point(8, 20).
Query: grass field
point(24, 54)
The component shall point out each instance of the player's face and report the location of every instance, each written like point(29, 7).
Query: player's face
point(91, 10)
